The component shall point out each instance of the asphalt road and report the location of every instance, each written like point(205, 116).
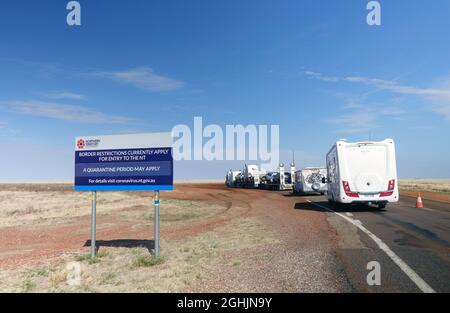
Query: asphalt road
point(411, 245)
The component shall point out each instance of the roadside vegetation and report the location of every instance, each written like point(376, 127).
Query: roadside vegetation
point(130, 267)
point(50, 206)
point(181, 266)
point(426, 185)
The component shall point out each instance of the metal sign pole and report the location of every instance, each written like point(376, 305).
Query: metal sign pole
point(93, 223)
point(156, 222)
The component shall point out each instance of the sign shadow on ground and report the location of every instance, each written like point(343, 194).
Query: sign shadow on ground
point(124, 243)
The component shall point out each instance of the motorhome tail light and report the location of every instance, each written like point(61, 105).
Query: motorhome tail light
point(347, 190)
point(391, 187)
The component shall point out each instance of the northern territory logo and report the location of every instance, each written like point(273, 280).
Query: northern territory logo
point(88, 143)
point(81, 143)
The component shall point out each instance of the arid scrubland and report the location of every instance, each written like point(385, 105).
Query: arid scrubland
point(126, 265)
point(428, 185)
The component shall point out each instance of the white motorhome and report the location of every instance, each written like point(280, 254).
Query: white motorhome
point(230, 179)
point(310, 180)
point(362, 172)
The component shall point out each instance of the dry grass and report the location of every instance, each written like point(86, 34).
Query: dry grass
point(55, 203)
point(426, 185)
point(30, 207)
point(175, 211)
point(182, 265)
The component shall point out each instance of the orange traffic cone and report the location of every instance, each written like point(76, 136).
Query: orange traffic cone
point(419, 203)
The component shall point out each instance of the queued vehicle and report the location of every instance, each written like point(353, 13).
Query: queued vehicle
point(310, 180)
point(230, 179)
point(362, 172)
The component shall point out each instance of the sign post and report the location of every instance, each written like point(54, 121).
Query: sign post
point(93, 223)
point(156, 222)
point(124, 162)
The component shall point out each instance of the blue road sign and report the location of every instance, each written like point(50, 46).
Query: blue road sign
point(124, 162)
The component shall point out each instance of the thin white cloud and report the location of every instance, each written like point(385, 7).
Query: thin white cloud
point(65, 112)
point(143, 78)
point(58, 95)
point(363, 120)
point(321, 76)
point(437, 99)
point(140, 77)
point(398, 88)
point(383, 84)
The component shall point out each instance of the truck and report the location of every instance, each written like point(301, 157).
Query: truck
point(310, 180)
point(287, 178)
point(230, 179)
point(239, 180)
point(251, 175)
point(362, 173)
point(280, 180)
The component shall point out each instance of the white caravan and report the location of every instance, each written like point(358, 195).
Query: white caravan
point(230, 179)
point(310, 180)
point(362, 172)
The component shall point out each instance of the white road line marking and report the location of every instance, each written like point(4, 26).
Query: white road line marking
point(348, 214)
point(420, 283)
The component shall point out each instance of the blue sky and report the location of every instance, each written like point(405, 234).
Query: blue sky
point(313, 67)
